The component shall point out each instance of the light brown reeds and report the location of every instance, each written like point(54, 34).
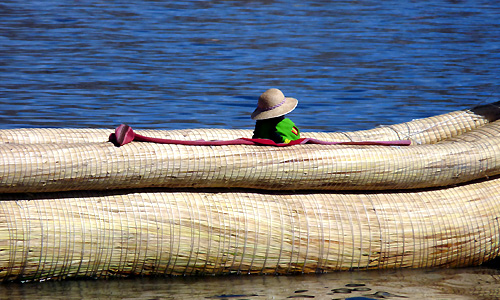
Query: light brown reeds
point(99, 166)
point(421, 131)
point(115, 233)
point(99, 235)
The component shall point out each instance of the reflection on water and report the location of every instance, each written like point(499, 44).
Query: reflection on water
point(473, 283)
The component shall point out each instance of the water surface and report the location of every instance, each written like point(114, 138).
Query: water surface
point(190, 64)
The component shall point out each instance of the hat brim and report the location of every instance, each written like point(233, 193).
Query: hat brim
point(288, 106)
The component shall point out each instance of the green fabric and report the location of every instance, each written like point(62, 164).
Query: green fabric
point(288, 131)
point(280, 130)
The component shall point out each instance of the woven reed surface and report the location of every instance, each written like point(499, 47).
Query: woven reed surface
point(486, 132)
point(99, 166)
point(99, 235)
point(421, 131)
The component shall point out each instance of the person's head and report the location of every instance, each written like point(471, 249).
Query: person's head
point(273, 103)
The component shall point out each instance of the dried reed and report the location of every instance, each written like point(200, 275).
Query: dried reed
point(99, 166)
point(100, 234)
point(108, 234)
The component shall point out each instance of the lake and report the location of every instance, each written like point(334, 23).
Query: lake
point(203, 64)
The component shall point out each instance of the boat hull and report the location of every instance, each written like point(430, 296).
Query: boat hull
point(115, 234)
point(32, 168)
point(72, 205)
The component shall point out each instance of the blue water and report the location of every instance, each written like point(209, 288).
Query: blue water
point(190, 64)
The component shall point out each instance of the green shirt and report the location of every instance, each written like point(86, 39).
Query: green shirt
point(280, 130)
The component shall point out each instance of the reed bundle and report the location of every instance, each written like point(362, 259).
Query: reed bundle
point(106, 234)
point(99, 166)
point(106, 231)
point(421, 131)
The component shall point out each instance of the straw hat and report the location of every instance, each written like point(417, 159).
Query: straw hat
point(273, 103)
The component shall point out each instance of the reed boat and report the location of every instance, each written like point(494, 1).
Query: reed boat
point(448, 149)
point(74, 205)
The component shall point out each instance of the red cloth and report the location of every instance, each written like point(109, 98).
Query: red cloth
point(124, 135)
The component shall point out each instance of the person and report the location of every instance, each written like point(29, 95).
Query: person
point(270, 117)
